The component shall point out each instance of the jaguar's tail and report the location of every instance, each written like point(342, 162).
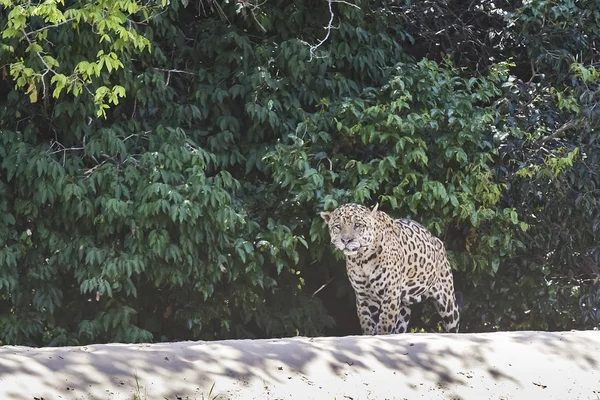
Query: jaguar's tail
point(459, 300)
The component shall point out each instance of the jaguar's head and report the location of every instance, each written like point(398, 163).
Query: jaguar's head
point(352, 228)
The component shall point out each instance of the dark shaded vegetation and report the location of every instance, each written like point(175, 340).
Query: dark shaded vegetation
point(188, 209)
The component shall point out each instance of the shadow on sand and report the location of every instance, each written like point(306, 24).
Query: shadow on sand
point(400, 366)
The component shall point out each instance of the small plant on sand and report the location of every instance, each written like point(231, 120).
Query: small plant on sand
point(138, 395)
point(210, 394)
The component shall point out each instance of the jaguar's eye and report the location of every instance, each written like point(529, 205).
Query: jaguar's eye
point(335, 229)
point(357, 226)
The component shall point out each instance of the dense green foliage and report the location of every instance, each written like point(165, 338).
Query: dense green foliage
point(108, 22)
point(172, 192)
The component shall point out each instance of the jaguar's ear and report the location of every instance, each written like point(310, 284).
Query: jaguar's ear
point(374, 210)
point(326, 215)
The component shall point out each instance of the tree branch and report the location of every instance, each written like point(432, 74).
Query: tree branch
point(566, 126)
point(328, 28)
point(26, 34)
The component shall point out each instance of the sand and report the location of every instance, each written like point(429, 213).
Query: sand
point(504, 365)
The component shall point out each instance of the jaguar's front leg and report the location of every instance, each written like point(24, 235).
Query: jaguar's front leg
point(389, 316)
point(403, 319)
point(368, 314)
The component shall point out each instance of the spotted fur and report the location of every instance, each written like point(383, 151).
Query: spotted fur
point(391, 264)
